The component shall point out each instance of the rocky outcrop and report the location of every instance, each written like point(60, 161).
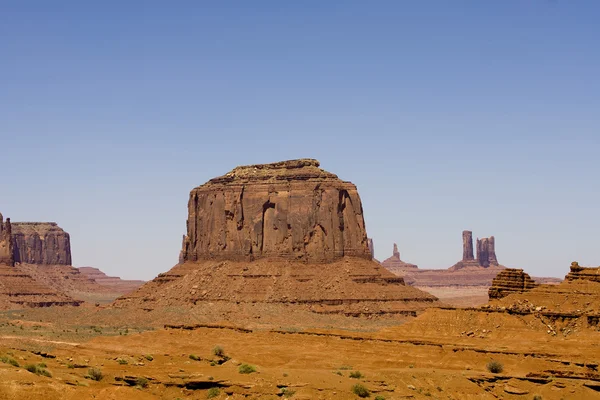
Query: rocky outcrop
point(486, 253)
point(395, 265)
point(41, 243)
point(467, 245)
point(578, 273)
point(510, 281)
point(6, 242)
point(371, 248)
point(289, 209)
point(287, 235)
point(113, 283)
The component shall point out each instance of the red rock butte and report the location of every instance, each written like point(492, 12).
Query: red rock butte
point(289, 209)
point(283, 233)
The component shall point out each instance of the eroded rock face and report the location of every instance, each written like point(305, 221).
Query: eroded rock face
point(486, 252)
point(467, 245)
point(578, 272)
point(289, 209)
point(41, 243)
point(6, 242)
point(509, 281)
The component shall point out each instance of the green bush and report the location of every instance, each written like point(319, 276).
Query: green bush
point(360, 390)
point(212, 392)
point(495, 367)
point(356, 375)
point(122, 361)
point(379, 398)
point(537, 397)
point(287, 392)
point(38, 370)
point(149, 357)
point(141, 382)
point(195, 357)
point(246, 369)
point(10, 361)
point(219, 351)
point(95, 374)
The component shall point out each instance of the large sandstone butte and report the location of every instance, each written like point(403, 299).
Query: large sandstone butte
point(41, 243)
point(395, 265)
point(290, 209)
point(286, 233)
point(6, 242)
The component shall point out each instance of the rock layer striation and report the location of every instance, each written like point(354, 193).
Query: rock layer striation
point(41, 243)
point(289, 209)
point(510, 281)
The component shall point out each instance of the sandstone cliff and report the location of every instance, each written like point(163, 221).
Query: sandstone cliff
point(290, 209)
point(510, 281)
point(395, 265)
point(578, 273)
point(287, 235)
point(6, 242)
point(41, 243)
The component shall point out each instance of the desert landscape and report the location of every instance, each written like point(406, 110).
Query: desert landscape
point(277, 295)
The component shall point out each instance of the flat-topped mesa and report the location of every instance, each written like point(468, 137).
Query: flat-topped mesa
point(583, 273)
point(486, 252)
point(289, 209)
point(510, 281)
point(6, 242)
point(41, 243)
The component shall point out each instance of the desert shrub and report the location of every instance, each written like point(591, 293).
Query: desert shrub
point(42, 365)
point(379, 398)
point(36, 369)
point(122, 361)
point(360, 390)
point(287, 392)
point(141, 382)
point(213, 364)
point(10, 361)
point(537, 397)
point(345, 367)
point(149, 357)
point(219, 351)
point(195, 357)
point(495, 367)
point(95, 374)
point(246, 369)
point(356, 375)
point(212, 392)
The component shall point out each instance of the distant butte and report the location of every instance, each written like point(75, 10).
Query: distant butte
point(396, 265)
point(285, 233)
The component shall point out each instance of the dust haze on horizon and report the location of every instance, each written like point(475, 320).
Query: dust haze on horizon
point(448, 117)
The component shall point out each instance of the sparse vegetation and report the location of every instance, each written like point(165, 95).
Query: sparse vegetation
point(356, 375)
point(219, 351)
point(537, 397)
point(195, 357)
point(95, 374)
point(38, 370)
point(246, 369)
point(360, 390)
point(149, 357)
point(339, 373)
point(495, 367)
point(345, 367)
point(212, 392)
point(122, 361)
point(141, 382)
point(10, 361)
point(379, 398)
point(287, 392)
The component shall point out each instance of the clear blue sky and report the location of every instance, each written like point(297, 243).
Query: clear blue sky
point(447, 115)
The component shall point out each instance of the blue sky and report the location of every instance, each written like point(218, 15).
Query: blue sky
point(446, 115)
